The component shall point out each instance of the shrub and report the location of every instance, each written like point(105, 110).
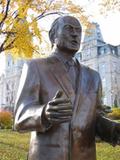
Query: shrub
point(5, 120)
point(115, 114)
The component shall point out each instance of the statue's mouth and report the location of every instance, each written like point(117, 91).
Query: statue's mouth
point(74, 42)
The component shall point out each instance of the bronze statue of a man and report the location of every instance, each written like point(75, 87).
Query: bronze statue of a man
point(59, 101)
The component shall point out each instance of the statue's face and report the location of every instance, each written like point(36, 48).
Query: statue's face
point(68, 36)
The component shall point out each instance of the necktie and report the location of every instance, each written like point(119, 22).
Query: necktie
point(72, 72)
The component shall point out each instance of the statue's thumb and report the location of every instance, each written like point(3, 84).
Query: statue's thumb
point(58, 94)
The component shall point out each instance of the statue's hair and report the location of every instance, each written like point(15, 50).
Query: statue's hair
point(52, 31)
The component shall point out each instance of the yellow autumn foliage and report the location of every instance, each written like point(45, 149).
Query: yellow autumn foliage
point(109, 5)
point(19, 22)
point(23, 40)
point(36, 30)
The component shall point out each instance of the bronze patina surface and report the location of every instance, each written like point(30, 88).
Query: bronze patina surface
point(59, 101)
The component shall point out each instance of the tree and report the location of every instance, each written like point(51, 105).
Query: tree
point(19, 23)
point(109, 5)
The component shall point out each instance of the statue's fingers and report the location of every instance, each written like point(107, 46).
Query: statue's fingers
point(58, 94)
point(59, 101)
point(118, 141)
point(69, 111)
point(65, 104)
point(57, 121)
point(60, 107)
point(58, 115)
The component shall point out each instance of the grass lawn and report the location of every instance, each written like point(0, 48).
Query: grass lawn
point(14, 146)
point(107, 152)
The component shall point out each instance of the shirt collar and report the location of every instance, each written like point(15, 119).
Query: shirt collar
point(62, 58)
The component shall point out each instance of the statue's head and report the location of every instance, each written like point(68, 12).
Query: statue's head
point(65, 33)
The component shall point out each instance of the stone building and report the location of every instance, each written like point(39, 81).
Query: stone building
point(95, 53)
point(104, 58)
point(9, 82)
point(1, 90)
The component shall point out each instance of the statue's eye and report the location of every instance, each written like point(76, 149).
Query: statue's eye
point(78, 30)
point(71, 29)
point(68, 28)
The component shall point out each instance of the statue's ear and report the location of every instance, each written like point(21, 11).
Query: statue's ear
point(55, 40)
point(52, 35)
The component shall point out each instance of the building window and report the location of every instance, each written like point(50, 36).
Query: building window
point(113, 51)
point(101, 51)
point(114, 66)
point(104, 82)
point(105, 50)
point(98, 34)
point(7, 99)
point(7, 86)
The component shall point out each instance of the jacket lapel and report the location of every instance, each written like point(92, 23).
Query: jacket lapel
point(84, 84)
point(60, 74)
point(79, 84)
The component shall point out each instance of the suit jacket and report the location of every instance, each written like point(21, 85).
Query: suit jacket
point(75, 140)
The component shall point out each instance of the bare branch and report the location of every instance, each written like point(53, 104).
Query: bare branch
point(8, 32)
point(6, 12)
point(1, 48)
point(44, 14)
point(2, 45)
point(47, 14)
point(50, 1)
point(9, 46)
point(15, 13)
point(35, 50)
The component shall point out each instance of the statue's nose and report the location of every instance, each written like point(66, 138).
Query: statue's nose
point(74, 33)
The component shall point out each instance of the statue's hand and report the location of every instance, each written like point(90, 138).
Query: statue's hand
point(59, 109)
point(116, 135)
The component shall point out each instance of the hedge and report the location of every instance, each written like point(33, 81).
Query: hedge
point(115, 114)
point(6, 120)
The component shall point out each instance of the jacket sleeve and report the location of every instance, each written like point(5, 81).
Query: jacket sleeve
point(28, 111)
point(105, 128)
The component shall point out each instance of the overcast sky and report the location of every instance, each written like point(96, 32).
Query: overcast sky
point(109, 25)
